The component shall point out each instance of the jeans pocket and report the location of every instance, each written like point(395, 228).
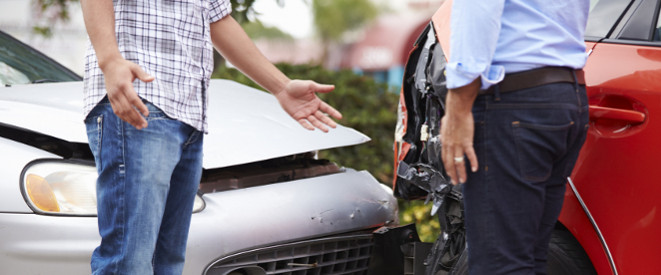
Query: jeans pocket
point(538, 146)
point(94, 125)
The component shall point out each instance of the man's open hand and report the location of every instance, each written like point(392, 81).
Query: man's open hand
point(300, 101)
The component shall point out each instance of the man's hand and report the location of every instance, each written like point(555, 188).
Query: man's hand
point(119, 76)
point(457, 130)
point(300, 101)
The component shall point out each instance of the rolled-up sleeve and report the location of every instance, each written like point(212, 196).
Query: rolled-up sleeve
point(218, 9)
point(475, 28)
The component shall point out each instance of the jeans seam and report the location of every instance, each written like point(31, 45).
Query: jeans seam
point(99, 128)
point(122, 181)
point(488, 182)
point(485, 170)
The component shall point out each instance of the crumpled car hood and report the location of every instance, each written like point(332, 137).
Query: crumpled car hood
point(245, 124)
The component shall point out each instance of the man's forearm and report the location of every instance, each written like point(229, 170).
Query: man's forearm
point(99, 19)
point(460, 100)
point(235, 45)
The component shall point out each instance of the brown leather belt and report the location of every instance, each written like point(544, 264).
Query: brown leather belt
point(536, 77)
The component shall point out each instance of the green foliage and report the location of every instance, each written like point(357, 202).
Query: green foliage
point(61, 7)
point(48, 13)
point(241, 9)
point(256, 30)
point(419, 213)
point(43, 31)
point(332, 18)
point(368, 107)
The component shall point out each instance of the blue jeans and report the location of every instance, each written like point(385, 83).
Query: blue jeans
point(527, 143)
point(145, 191)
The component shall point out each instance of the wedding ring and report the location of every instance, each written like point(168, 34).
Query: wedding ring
point(458, 159)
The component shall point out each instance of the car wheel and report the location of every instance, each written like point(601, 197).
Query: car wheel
point(566, 257)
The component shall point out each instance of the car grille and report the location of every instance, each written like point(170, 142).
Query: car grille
point(332, 255)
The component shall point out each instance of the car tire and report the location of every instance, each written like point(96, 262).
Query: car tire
point(566, 257)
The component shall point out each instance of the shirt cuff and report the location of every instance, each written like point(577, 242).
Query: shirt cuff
point(459, 75)
point(219, 9)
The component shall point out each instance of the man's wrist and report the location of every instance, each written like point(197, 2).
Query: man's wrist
point(105, 60)
point(280, 86)
point(461, 99)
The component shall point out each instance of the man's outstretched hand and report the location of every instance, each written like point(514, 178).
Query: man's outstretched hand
point(300, 101)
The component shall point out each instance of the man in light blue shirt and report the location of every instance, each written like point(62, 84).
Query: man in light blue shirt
point(516, 116)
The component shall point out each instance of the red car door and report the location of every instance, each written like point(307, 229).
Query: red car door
point(615, 175)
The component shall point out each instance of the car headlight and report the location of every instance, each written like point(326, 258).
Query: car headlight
point(65, 188)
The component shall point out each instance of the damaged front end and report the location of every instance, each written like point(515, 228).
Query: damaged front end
point(418, 165)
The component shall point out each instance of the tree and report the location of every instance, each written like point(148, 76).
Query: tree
point(333, 18)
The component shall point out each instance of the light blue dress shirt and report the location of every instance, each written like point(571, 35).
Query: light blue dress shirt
point(492, 37)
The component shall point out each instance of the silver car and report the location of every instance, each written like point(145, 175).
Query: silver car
point(266, 204)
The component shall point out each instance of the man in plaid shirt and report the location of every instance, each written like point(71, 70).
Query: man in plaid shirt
point(146, 75)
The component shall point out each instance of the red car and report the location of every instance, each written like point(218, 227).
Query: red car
point(609, 223)
point(612, 203)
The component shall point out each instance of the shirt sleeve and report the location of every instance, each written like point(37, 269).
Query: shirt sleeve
point(218, 9)
point(475, 28)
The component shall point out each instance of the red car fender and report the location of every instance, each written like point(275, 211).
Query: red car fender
point(575, 217)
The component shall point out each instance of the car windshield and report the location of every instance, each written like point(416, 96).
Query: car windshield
point(20, 64)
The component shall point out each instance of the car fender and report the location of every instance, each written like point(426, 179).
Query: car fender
point(10, 173)
point(575, 216)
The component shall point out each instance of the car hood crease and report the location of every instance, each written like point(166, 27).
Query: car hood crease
point(244, 124)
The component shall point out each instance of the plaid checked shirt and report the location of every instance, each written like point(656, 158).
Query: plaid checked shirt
point(170, 40)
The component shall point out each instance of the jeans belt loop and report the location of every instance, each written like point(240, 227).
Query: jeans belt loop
point(496, 92)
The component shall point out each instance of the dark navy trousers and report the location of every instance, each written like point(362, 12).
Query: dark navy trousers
point(527, 143)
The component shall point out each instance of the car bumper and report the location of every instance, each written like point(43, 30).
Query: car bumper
point(231, 222)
